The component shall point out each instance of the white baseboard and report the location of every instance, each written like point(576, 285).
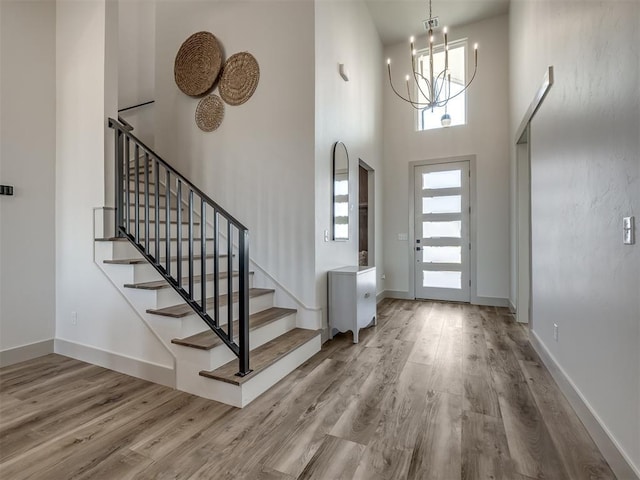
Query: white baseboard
point(490, 301)
point(399, 294)
point(25, 352)
point(619, 462)
point(487, 301)
point(135, 367)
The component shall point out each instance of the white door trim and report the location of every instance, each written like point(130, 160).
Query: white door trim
point(472, 221)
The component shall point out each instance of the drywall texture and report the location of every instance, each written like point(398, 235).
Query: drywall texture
point(350, 112)
point(259, 164)
point(27, 161)
point(485, 135)
point(85, 95)
point(585, 177)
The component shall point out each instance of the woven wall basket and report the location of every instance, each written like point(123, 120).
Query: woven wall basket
point(197, 63)
point(209, 113)
point(239, 78)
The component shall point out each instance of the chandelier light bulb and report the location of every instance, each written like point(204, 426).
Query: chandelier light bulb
point(433, 87)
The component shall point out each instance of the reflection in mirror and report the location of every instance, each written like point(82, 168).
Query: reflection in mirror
point(340, 192)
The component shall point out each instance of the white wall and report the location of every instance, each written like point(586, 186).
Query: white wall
point(585, 178)
point(27, 161)
point(486, 135)
point(136, 64)
point(259, 164)
point(86, 82)
point(352, 113)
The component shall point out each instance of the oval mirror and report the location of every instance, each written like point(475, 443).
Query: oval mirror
point(340, 192)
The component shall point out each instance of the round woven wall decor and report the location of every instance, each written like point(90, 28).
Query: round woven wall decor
point(209, 113)
point(239, 78)
point(197, 63)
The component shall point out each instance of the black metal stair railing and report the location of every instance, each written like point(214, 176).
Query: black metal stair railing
point(208, 228)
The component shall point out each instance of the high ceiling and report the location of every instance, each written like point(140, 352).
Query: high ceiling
point(396, 20)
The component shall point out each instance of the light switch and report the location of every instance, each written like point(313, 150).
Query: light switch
point(628, 230)
point(403, 237)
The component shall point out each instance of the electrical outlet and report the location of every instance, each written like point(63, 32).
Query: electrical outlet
point(555, 332)
point(74, 318)
point(383, 276)
point(326, 235)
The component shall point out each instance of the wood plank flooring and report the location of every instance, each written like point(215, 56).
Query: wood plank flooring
point(434, 391)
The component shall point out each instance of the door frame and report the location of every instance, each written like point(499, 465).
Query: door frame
point(473, 292)
point(371, 212)
point(523, 222)
point(523, 134)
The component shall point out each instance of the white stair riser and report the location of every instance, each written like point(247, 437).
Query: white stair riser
point(218, 356)
point(192, 324)
point(173, 228)
point(115, 250)
point(173, 214)
point(240, 396)
point(174, 246)
point(166, 297)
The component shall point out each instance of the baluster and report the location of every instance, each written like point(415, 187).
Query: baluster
point(127, 189)
point(167, 209)
point(191, 244)
point(146, 203)
point(179, 229)
point(243, 300)
point(203, 254)
point(137, 190)
point(120, 215)
point(229, 281)
point(216, 269)
point(156, 206)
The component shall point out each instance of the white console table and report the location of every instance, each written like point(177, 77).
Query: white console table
point(352, 299)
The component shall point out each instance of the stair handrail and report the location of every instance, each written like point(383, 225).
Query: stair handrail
point(124, 140)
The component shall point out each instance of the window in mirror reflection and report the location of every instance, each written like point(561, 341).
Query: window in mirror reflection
point(340, 192)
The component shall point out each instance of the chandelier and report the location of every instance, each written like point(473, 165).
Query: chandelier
point(432, 89)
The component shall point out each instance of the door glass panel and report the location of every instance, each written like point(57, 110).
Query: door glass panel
point(441, 279)
point(341, 209)
point(342, 230)
point(448, 179)
point(444, 204)
point(442, 229)
point(442, 254)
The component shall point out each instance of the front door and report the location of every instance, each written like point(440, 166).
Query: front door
point(442, 245)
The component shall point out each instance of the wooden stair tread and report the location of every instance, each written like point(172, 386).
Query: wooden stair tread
point(182, 310)
point(140, 260)
point(159, 284)
point(263, 356)
point(207, 340)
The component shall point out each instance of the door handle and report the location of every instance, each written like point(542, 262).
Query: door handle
point(417, 249)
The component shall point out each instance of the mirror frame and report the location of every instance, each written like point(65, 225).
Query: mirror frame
point(335, 170)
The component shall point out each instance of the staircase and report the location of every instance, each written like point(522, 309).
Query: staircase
point(229, 340)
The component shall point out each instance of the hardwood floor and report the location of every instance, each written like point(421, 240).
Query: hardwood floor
point(434, 391)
